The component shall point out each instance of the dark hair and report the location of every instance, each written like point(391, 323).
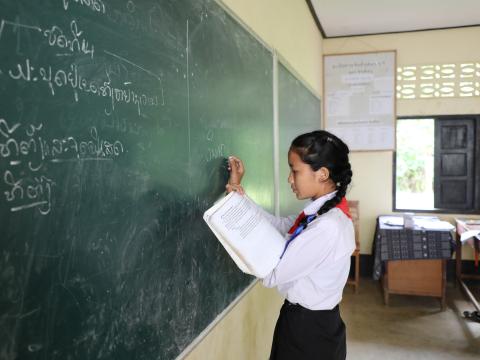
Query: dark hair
point(323, 149)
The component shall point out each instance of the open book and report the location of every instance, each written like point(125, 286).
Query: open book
point(249, 238)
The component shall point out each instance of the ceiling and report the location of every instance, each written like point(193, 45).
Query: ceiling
point(337, 18)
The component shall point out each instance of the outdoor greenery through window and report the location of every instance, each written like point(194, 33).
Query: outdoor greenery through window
point(415, 164)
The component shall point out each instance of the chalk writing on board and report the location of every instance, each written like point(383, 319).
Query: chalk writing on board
point(16, 25)
point(57, 149)
point(121, 124)
point(215, 153)
point(35, 190)
point(210, 135)
point(147, 22)
point(132, 63)
point(139, 67)
point(30, 151)
point(94, 5)
point(72, 78)
point(128, 17)
point(57, 38)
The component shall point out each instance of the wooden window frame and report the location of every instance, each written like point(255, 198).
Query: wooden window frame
point(476, 206)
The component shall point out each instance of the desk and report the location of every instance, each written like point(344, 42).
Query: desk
point(411, 261)
point(462, 226)
point(415, 277)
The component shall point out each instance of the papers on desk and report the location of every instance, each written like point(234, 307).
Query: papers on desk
point(429, 223)
point(392, 220)
point(469, 231)
point(470, 234)
point(420, 222)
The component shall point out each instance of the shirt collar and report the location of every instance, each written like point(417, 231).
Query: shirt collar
point(315, 205)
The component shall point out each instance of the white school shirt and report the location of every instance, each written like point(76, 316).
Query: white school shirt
point(314, 269)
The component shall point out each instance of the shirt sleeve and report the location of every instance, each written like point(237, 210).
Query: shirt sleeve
point(307, 251)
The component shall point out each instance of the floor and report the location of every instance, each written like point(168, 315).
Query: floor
point(411, 327)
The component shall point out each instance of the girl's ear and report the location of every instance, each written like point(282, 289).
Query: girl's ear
point(322, 174)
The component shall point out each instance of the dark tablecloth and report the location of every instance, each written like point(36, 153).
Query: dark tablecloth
point(397, 243)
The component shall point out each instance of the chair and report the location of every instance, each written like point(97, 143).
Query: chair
point(354, 213)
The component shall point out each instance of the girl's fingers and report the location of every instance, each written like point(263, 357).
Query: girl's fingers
point(237, 171)
point(239, 165)
point(234, 161)
point(236, 168)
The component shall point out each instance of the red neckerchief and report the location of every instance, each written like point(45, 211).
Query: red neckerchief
point(342, 205)
point(297, 222)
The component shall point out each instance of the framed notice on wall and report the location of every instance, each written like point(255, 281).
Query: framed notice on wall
point(359, 99)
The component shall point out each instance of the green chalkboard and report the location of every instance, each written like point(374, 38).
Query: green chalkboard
point(115, 121)
point(298, 113)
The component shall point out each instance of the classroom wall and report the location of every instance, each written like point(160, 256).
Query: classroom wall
point(372, 182)
point(286, 25)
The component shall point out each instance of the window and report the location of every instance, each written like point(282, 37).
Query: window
point(435, 164)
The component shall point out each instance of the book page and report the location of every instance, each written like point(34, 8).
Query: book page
point(239, 222)
point(241, 217)
point(236, 257)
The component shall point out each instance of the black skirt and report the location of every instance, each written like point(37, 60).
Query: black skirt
point(303, 334)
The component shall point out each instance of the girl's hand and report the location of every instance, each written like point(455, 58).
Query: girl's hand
point(237, 170)
point(237, 188)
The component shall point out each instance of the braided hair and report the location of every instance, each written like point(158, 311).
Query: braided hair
point(323, 149)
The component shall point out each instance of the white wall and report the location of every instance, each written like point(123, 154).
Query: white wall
point(372, 181)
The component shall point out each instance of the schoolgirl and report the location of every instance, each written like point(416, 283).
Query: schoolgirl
point(314, 267)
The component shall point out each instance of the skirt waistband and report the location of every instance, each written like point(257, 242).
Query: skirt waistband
point(292, 306)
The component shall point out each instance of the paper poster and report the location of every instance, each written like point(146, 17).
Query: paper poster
point(359, 92)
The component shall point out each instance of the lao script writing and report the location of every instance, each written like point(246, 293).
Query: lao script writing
point(25, 151)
